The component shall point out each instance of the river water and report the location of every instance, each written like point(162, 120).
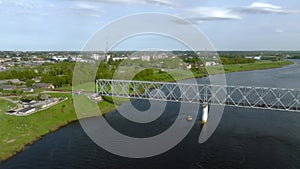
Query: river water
point(245, 138)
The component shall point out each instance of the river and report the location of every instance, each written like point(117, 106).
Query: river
point(245, 138)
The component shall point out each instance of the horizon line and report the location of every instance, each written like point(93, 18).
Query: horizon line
point(175, 50)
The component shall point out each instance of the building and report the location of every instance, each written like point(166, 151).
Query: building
point(2, 68)
point(46, 103)
point(257, 57)
point(8, 87)
point(253, 57)
point(211, 63)
point(134, 57)
point(36, 80)
point(10, 112)
point(10, 81)
point(108, 57)
point(96, 56)
point(60, 58)
point(26, 111)
point(44, 85)
point(96, 98)
point(160, 56)
point(188, 66)
point(27, 90)
point(146, 58)
point(119, 58)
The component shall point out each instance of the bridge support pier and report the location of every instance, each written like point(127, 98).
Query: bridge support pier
point(204, 113)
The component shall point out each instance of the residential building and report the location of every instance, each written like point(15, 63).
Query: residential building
point(27, 111)
point(12, 81)
point(8, 87)
point(27, 90)
point(44, 85)
point(188, 66)
point(211, 63)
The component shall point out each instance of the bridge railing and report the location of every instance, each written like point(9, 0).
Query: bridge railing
point(240, 96)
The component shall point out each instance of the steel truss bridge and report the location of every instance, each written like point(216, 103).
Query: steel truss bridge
point(239, 96)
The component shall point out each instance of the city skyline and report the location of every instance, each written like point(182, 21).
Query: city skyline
point(66, 25)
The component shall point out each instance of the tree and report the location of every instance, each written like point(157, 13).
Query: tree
point(62, 108)
point(39, 96)
point(29, 82)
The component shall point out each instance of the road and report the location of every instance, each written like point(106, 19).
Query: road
point(9, 100)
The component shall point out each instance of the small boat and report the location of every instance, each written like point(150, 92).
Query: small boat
point(189, 118)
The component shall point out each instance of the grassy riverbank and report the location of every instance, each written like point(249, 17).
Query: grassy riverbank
point(255, 66)
point(186, 74)
point(17, 132)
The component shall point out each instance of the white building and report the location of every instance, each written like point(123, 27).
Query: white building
point(253, 57)
point(134, 58)
point(211, 63)
point(188, 66)
point(119, 58)
point(60, 58)
point(96, 56)
point(108, 57)
point(257, 57)
point(146, 58)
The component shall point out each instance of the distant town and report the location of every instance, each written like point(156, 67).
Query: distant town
point(10, 59)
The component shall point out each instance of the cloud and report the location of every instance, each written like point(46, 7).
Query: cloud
point(259, 7)
point(28, 5)
point(165, 3)
point(25, 7)
point(87, 10)
point(200, 14)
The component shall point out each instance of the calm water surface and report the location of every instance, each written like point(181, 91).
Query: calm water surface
point(245, 138)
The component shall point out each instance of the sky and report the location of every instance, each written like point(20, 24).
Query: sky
point(37, 25)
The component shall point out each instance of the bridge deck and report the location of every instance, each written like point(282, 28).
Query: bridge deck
point(240, 96)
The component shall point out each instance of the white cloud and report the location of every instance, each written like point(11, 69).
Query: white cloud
point(166, 3)
point(160, 2)
point(25, 7)
point(86, 9)
point(259, 7)
point(200, 14)
point(29, 4)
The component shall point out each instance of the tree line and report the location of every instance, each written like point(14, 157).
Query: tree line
point(61, 74)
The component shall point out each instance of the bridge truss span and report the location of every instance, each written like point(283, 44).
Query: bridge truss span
point(239, 96)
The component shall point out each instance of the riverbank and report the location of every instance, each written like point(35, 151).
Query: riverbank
point(174, 74)
point(17, 132)
point(256, 66)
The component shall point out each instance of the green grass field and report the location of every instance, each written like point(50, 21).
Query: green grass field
point(5, 105)
point(220, 69)
point(247, 67)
